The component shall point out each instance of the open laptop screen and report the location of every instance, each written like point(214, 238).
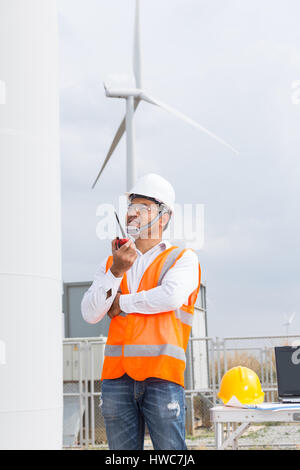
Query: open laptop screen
point(288, 370)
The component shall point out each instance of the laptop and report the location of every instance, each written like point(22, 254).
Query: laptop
point(288, 373)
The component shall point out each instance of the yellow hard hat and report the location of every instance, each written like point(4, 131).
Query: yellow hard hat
point(244, 384)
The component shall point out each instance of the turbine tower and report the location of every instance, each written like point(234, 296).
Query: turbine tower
point(30, 250)
point(133, 97)
point(287, 323)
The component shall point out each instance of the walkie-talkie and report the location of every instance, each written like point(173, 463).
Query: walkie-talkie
point(121, 241)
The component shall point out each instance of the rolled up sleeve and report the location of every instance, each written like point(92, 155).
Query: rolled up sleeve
point(96, 302)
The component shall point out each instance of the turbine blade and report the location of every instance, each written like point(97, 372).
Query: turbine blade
point(115, 142)
point(137, 47)
point(185, 118)
point(292, 317)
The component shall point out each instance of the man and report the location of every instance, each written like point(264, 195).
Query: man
point(148, 288)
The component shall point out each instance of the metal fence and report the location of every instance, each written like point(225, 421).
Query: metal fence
point(207, 359)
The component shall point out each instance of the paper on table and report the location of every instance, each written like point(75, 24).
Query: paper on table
point(275, 406)
point(234, 402)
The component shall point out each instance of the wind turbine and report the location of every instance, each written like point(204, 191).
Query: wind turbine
point(288, 322)
point(133, 97)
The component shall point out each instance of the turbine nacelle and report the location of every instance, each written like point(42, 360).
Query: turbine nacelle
point(121, 92)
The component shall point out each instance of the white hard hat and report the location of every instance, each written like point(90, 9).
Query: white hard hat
point(155, 186)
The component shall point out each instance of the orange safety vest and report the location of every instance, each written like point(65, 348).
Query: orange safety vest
point(150, 345)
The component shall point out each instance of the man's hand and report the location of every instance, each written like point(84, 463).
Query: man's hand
point(123, 258)
point(115, 307)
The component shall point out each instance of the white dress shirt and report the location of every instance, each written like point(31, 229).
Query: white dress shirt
point(177, 285)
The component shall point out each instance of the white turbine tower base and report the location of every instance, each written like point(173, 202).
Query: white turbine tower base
point(30, 248)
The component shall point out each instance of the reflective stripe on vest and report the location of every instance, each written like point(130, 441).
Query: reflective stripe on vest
point(184, 317)
point(171, 258)
point(150, 350)
point(113, 350)
point(145, 350)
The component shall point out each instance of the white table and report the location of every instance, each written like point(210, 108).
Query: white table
point(242, 418)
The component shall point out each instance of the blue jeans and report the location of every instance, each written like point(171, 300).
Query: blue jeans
point(126, 405)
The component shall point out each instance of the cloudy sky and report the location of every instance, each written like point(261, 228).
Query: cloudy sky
point(230, 65)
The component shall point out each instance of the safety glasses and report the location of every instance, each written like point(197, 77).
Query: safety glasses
point(141, 209)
